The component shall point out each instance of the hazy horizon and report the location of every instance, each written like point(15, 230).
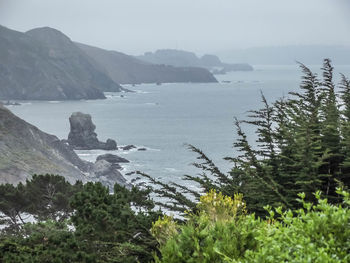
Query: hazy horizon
point(205, 26)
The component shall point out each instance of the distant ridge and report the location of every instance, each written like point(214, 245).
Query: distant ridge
point(181, 58)
point(127, 69)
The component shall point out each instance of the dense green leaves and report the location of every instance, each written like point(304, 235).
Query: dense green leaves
point(49, 196)
point(314, 233)
point(44, 242)
point(110, 225)
point(76, 223)
point(42, 197)
point(13, 203)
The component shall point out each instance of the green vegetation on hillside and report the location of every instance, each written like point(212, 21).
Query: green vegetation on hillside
point(75, 223)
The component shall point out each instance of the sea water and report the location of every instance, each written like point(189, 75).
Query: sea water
point(164, 118)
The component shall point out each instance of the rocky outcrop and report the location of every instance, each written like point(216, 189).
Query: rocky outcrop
point(44, 64)
point(126, 69)
point(142, 149)
point(112, 158)
point(128, 147)
point(180, 58)
point(108, 174)
point(82, 134)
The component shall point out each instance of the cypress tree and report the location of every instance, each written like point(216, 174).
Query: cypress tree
point(344, 177)
point(303, 111)
point(330, 130)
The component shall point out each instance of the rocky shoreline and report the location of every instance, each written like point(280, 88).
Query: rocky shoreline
point(25, 150)
point(107, 167)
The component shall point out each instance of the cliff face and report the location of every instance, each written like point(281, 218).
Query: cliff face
point(44, 64)
point(126, 69)
point(25, 150)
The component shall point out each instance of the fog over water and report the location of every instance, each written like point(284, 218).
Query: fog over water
point(136, 26)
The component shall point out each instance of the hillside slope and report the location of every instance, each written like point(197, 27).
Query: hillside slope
point(25, 150)
point(44, 64)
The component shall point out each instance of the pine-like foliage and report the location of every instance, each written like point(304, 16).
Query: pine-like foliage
point(75, 223)
point(302, 145)
point(344, 176)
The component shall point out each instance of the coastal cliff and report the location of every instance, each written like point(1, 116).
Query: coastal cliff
point(25, 150)
point(44, 64)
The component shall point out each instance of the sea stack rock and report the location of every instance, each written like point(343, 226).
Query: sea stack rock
point(82, 134)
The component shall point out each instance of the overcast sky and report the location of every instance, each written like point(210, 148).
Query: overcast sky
point(136, 26)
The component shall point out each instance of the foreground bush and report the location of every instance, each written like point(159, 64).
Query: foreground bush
point(44, 242)
point(75, 223)
point(222, 232)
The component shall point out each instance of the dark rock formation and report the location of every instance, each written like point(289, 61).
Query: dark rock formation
point(110, 145)
point(112, 158)
point(128, 147)
point(142, 149)
point(108, 174)
point(44, 64)
point(82, 134)
point(126, 69)
point(180, 58)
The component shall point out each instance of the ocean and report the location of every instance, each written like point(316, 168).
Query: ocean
point(164, 118)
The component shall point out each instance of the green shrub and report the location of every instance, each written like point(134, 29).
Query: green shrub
point(315, 233)
point(221, 229)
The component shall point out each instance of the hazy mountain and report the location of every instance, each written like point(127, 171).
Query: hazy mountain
point(177, 58)
point(125, 69)
point(285, 55)
point(180, 58)
point(44, 64)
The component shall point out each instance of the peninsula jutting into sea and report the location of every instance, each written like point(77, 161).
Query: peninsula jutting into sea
point(44, 64)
